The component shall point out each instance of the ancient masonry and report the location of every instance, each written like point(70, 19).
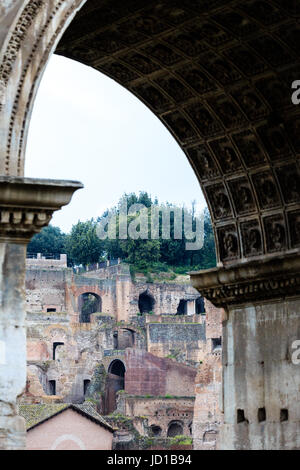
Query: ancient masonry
point(219, 75)
point(145, 355)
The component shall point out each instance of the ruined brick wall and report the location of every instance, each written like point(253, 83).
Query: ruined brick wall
point(60, 289)
point(147, 374)
point(182, 338)
point(161, 352)
point(166, 296)
point(208, 385)
point(45, 288)
point(161, 412)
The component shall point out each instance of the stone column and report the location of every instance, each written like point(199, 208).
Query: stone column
point(191, 307)
point(261, 366)
point(26, 206)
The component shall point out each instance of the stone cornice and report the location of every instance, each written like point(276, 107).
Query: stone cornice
point(27, 205)
point(248, 282)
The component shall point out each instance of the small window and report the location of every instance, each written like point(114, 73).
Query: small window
point(216, 343)
point(55, 345)
point(115, 339)
point(49, 310)
point(261, 415)
point(86, 384)
point(200, 306)
point(284, 415)
point(52, 387)
point(240, 416)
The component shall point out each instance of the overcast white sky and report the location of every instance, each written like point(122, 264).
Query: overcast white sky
point(86, 127)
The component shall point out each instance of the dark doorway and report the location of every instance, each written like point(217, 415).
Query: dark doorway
point(146, 303)
point(200, 306)
point(86, 384)
point(52, 387)
point(55, 345)
point(117, 368)
point(182, 307)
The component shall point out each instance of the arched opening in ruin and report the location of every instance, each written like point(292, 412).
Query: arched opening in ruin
point(146, 303)
point(115, 382)
point(182, 307)
point(156, 430)
point(117, 368)
point(88, 303)
point(175, 428)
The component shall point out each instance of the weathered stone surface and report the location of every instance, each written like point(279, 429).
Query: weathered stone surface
point(267, 278)
point(208, 412)
point(26, 206)
point(259, 374)
point(219, 76)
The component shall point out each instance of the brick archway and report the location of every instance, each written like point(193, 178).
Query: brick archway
point(79, 294)
point(88, 289)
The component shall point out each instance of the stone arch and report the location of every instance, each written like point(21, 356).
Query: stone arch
point(88, 303)
point(117, 367)
point(175, 428)
point(156, 430)
point(146, 302)
point(229, 107)
point(88, 289)
point(114, 383)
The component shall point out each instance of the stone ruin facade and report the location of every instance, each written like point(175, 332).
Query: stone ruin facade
point(220, 75)
point(141, 356)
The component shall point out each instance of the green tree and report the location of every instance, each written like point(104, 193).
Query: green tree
point(49, 241)
point(83, 245)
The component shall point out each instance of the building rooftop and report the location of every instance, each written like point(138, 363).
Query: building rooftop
point(38, 414)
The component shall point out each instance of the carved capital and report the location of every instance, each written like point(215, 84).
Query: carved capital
point(27, 205)
point(249, 282)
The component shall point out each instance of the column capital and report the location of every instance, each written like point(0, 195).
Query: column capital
point(249, 282)
point(27, 205)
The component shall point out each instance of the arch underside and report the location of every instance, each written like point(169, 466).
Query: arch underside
point(218, 74)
